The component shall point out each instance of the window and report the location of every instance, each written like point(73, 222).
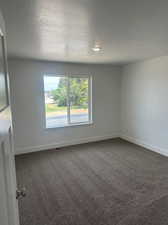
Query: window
point(67, 100)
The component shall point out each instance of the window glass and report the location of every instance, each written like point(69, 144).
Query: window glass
point(67, 100)
point(55, 101)
point(79, 100)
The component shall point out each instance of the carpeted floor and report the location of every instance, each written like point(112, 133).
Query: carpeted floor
point(105, 183)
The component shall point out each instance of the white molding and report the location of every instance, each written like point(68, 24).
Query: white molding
point(25, 150)
point(133, 140)
point(146, 145)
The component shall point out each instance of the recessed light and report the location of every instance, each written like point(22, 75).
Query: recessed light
point(96, 48)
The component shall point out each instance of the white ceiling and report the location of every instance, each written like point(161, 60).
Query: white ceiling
point(66, 30)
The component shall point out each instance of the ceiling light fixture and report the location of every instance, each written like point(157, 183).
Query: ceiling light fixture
point(96, 48)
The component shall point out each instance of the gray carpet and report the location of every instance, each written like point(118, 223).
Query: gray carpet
point(105, 183)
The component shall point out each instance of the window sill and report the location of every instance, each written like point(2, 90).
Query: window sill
point(70, 125)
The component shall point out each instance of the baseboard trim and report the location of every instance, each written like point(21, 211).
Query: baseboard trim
point(148, 146)
point(133, 140)
point(25, 150)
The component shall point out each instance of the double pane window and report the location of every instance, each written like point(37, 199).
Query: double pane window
point(67, 100)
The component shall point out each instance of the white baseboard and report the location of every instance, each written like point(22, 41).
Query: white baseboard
point(24, 150)
point(148, 146)
point(136, 141)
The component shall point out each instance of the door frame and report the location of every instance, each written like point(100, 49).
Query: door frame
point(8, 203)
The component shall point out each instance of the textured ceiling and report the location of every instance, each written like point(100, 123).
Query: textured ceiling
point(66, 30)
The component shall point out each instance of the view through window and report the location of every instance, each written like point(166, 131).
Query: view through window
point(67, 100)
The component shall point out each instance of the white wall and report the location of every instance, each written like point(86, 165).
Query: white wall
point(144, 104)
point(27, 100)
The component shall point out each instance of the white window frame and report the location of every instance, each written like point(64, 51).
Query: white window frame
point(69, 123)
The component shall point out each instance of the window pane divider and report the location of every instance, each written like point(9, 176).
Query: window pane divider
point(68, 100)
point(90, 98)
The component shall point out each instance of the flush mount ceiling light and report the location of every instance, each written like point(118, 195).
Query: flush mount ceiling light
point(96, 48)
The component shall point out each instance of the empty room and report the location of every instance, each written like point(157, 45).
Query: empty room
point(83, 112)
